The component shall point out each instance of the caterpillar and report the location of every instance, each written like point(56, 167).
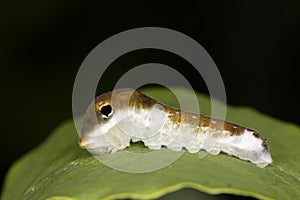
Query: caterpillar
point(114, 119)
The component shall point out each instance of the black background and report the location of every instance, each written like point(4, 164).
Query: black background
point(43, 43)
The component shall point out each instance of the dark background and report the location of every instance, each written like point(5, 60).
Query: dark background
point(43, 43)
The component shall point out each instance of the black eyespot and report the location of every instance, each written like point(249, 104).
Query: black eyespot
point(106, 111)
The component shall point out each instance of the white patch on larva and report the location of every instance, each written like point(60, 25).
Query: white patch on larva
point(246, 147)
point(154, 128)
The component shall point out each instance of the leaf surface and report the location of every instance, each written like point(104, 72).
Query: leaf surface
point(59, 169)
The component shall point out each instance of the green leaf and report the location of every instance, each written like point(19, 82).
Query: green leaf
point(59, 169)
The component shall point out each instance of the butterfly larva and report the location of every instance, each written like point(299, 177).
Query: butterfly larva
point(116, 118)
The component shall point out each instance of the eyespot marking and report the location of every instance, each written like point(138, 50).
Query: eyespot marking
point(104, 109)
